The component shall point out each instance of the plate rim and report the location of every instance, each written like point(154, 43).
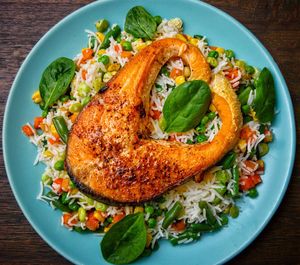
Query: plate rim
point(245, 30)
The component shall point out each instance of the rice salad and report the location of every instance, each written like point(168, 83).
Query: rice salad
point(203, 204)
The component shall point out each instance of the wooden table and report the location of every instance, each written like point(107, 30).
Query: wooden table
point(275, 22)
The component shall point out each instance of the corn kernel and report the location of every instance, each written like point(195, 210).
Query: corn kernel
point(53, 131)
point(73, 117)
point(212, 108)
point(181, 37)
point(140, 46)
point(99, 216)
point(65, 184)
point(113, 67)
point(189, 37)
point(252, 114)
point(179, 79)
point(149, 239)
point(220, 50)
point(48, 154)
point(74, 191)
point(113, 73)
point(106, 77)
point(100, 36)
point(106, 229)
point(36, 97)
point(187, 71)
point(138, 209)
point(148, 42)
point(101, 52)
point(242, 144)
point(194, 41)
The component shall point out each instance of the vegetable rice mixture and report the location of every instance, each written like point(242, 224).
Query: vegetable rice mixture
point(183, 214)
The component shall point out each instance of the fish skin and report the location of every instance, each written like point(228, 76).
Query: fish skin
point(109, 152)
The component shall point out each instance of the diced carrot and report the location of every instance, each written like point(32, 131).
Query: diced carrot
point(65, 185)
point(232, 73)
point(67, 217)
point(213, 47)
point(117, 48)
point(256, 179)
point(56, 185)
point(251, 165)
point(247, 183)
point(27, 130)
point(87, 53)
point(118, 217)
point(37, 122)
point(268, 136)
point(92, 223)
point(179, 226)
point(126, 54)
point(155, 114)
point(246, 133)
point(83, 74)
point(56, 141)
point(73, 117)
point(175, 72)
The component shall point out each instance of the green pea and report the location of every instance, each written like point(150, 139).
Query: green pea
point(46, 179)
point(89, 200)
point(212, 61)
point(201, 128)
point(76, 107)
point(102, 25)
point(64, 98)
point(101, 206)
point(201, 138)
point(245, 109)
point(252, 193)
point(234, 211)
point(109, 219)
point(263, 149)
point(229, 54)
point(157, 19)
point(189, 141)
point(85, 101)
point(45, 113)
point(224, 219)
point(221, 190)
point(240, 63)
point(211, 115)
point(83, 89)
point(213, 54)
point(249, 69)
point(81, 214)
point(164, 71)
point(74, 206)
point(222, 176)
point(64, 198)
point(126, 45)
point(151, 222)
point(149, 209)
point(216, 201)
point(204, 120)
point(59, 165)
point(119, 39)
point(104, 59)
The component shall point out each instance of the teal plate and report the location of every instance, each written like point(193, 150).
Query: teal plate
point(66, 39)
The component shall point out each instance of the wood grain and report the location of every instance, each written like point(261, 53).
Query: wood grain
point(275, 22)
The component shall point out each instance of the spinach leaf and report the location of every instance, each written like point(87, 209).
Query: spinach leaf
point(55, 80)
point(264, 102)
point(185, 106)
point(140, 23)
point(126, 240)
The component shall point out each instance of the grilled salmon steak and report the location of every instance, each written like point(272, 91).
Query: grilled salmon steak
point(109, 152)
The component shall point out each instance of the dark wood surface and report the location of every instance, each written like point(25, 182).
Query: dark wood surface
point(275, 22)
